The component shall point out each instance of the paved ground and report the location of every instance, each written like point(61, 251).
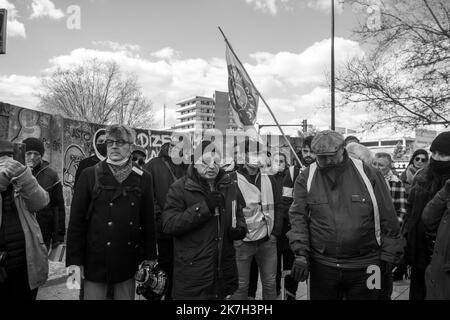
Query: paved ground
point(55, 288)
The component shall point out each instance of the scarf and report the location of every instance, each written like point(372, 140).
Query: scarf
point(440, 171)
point(121, 172)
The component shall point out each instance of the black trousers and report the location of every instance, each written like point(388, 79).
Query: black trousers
point(417, 288)
point(330, 283)
point(387, 286)
point(16, 286)
point(165, 262)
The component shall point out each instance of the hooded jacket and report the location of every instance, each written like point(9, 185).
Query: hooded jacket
point(30, 197)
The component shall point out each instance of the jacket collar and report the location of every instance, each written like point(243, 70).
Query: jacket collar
point(195, 183)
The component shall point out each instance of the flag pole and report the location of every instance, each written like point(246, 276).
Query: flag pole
point(263, 100)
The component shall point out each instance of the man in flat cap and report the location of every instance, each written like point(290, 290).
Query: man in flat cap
point(344, 226)
point(112, 224)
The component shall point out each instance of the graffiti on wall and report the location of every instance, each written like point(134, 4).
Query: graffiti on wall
point(25, 123)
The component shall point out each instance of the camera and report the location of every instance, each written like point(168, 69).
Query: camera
point(19, 152)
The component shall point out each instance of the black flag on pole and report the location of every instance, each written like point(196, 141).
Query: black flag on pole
point(243, 96)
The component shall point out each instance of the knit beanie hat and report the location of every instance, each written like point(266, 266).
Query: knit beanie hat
point(34, 144)
point(441, 143)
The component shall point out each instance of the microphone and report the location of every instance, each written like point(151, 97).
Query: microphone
point(212, 187)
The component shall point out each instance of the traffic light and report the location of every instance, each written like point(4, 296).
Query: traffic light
point(3, 18)
point(305, 125)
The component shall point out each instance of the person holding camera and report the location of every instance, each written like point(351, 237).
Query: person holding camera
point(112, 224)
point(23, 255)
point(51, 219)
point(203, 213)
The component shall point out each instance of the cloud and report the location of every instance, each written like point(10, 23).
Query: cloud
point(292, 83)
point(45, 8)
point(15, 28)
point(115, 46)
point(325, 5)
point(166, 53)
point(267, 6)
point(307, 67)
point(17, 89)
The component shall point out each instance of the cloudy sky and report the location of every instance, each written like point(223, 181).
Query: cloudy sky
point(175, 48)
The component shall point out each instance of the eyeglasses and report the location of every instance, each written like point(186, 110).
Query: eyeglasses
point(420, 159)
point(119, 143)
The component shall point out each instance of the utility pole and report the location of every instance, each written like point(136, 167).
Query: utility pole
point(332, 69)
point(164, 115)
point(3, 20)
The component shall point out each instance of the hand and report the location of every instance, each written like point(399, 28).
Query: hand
point(300, 269)
point(387, 267)
point(11, 167)
point(214, 200)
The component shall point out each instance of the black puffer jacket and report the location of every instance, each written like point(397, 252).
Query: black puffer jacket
point(419, 239)
point(119, 232)
point(204, 263)
point(436, 217)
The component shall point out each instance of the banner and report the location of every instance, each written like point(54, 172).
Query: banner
point(243, 96)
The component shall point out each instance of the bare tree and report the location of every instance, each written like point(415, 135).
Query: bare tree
point(97, 92)
point(405, 76)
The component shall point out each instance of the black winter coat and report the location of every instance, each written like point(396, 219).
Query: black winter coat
point(204, 263)
point(119, 232)
point(51, 219)
point(419, 239)
point(436, 217)
point(164, 173)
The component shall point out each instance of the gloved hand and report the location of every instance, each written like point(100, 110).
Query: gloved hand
point(214, 200)
point(387, 267)
point(300, 269)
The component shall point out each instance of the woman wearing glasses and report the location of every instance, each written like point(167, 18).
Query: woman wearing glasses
point(418, 161)
point(420, 240)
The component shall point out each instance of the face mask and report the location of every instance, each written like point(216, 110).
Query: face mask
point(101, 148)
point(117, 163)
point(440, 167)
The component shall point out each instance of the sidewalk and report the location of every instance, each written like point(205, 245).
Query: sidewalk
point(55, 288)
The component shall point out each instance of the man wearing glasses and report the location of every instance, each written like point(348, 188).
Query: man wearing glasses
point(165, 172)
point(112, 225)
point(204, 215)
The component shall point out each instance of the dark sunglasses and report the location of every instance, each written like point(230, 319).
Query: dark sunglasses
point(420, 159)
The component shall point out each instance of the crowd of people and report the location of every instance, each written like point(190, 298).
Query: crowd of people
point(337, 219)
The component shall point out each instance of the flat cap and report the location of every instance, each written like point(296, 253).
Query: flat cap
point(327, 143)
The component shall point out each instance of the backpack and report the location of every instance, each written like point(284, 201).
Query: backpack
point(98, 186)
point(360, 168)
